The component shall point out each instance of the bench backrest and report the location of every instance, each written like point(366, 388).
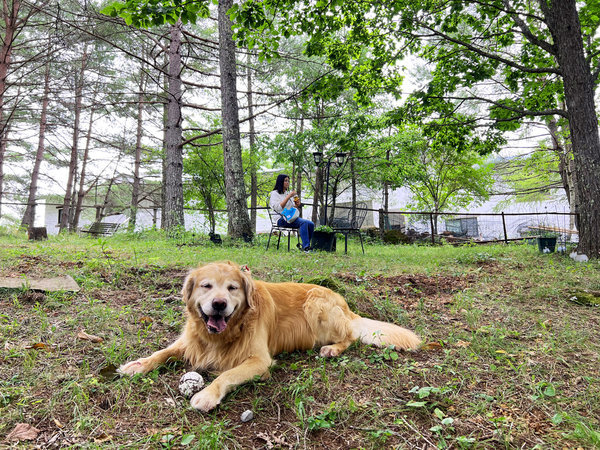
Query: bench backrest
point(346, 220)
point(273, 216)
point(103, 228)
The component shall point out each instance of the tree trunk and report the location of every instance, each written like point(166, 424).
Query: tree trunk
point(252, 136)
point(10, 14)
point(135, 189)
point(165, 121)
point(566, 168)
point(212, 221)
point(3, 142)
point(101, 211)
point(86, 152)
point(299, 176)
point(558, 148)
point(318, 203)
point(79, 82)
point(235, 190)
point(563, 22)
point(29, 215)
point(174, 158)
point(572, 181)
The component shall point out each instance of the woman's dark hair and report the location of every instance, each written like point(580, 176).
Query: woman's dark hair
point(279, 183)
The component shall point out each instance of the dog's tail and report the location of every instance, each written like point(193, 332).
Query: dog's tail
point(383, 334)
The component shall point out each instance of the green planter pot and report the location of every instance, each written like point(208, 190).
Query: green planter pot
point(546, 244)
point(323, 240)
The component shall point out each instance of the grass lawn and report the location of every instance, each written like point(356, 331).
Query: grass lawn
point(510, 361)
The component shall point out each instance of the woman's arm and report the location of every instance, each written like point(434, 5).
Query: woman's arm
point(276, 203)
point(287, 199)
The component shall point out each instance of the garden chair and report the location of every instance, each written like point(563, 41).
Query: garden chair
point(280, 230)
point(347, 224)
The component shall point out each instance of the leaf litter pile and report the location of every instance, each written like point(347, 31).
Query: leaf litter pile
point(505, 364)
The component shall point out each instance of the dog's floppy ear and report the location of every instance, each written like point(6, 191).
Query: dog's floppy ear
point(249, 288)
point(188, 287)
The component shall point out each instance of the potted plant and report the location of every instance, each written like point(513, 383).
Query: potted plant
point(546, 241)
point(323, 239)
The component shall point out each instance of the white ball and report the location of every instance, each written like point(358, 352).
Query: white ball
point(190, 383)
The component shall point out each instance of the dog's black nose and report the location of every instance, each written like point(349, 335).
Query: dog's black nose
point(219, 304)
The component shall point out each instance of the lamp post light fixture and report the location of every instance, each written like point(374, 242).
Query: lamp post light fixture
point(319, 160)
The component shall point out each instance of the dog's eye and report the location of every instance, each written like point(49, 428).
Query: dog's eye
point(233, 288)
point(206, 285)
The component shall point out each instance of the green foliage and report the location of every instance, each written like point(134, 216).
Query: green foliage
point(388, 354)
point(153, 13)
point(395, 237)
point(327, 282)
point(204, 165)
point(534, 177)
point(324, 420)
point(586, 434)
point(447, 172)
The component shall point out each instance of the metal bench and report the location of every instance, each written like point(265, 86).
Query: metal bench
point(102, 229)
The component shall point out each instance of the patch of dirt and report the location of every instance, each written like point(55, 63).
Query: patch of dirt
point(419, 285)
point(118, 298)
point(367, 393)
point(35, 266)
point(409, 291)
point(413, 285)
point(32, 297)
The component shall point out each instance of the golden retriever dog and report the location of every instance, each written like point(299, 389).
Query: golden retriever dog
point(235, 325)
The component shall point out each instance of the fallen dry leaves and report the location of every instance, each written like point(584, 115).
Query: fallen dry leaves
point(23, 432)
point(89, 337)
point(39, 346)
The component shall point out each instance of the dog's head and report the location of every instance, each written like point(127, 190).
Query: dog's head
point(218, 292)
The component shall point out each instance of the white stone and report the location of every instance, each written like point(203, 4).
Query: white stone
point(190, 383)
point(579, 257)
point(247, 416)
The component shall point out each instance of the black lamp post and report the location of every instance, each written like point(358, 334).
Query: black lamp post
point(339, 160)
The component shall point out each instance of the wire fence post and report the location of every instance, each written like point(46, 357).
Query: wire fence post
point(504, 228)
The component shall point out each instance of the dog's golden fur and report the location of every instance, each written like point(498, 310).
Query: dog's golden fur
point(235, 325)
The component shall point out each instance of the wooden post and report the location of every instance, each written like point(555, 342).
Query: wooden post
point(504, 227)
point(432, 231)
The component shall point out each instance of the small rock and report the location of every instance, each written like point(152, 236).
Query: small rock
point(578, 257)
point(247, 416)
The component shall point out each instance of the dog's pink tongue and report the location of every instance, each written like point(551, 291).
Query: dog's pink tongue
point(217, 323)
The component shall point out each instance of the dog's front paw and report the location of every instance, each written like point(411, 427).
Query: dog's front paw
point(204, 400)
point(133, 367)
point(329, 351)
